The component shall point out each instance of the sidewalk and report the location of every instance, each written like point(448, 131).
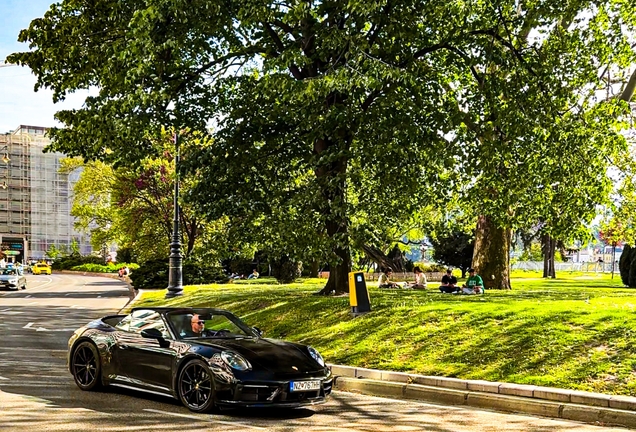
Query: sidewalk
point(594, 408)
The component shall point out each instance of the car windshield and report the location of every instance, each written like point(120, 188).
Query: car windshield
point(9, 272)
point(208, 323)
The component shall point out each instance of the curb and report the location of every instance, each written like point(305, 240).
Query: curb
point(132, 300)
point(565, 404)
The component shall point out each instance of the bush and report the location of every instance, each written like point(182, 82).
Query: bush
point(101, 268)
point(154, 274)
point(286, 270)
point(70, 261)
point(431, 267)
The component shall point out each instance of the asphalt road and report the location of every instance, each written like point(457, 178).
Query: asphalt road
point(38, 393)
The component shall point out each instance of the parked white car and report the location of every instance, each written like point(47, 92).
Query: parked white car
point(12, 278)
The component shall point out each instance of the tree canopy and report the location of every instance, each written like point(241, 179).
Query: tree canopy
point(325, 111)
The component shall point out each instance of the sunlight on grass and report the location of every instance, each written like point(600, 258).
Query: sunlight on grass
point(575, 331)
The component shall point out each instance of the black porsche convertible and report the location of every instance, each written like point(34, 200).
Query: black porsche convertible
point(206, 358)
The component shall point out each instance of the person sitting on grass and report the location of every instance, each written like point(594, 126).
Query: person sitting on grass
point(384, 281)
point(254, 275)
point(474, 283)
point(420, 279)
point(449, 283)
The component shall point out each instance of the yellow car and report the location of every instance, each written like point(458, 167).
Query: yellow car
point(41, 268)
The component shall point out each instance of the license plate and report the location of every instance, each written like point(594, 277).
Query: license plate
point(297, 386)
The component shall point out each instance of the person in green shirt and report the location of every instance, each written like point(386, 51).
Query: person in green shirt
point(474, 284)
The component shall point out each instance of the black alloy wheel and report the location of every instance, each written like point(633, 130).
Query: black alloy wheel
point(86, 366)
point(196, 386)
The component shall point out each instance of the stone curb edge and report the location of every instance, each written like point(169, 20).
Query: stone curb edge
point(586, 406)
point(132, 300)
point(499, 402)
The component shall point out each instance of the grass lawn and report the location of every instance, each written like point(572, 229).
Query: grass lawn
point(576, 331)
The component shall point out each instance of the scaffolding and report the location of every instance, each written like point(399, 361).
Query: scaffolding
point(36, 204)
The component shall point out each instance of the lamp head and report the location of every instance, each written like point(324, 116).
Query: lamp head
point(6, 159)
point(4, 185)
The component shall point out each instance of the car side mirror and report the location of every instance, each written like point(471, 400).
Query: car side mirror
point(258, 331)
point(152, 333)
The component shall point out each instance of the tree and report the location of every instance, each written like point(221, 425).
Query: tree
point(612, 233)
point(454, 249)
point(312, 101)
point(131, 206)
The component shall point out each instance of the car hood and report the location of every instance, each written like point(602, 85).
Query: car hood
point(7, 277)
point(270, 354)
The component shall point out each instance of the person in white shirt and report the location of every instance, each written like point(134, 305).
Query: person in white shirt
point(420, 279)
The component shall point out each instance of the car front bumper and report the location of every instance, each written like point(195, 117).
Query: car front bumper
point(274, 394)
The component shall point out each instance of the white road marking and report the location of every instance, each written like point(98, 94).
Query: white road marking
point(193, 417)
point(3, 378)
point(28, 325)
point(41, 329)
point(37, 288)
point(67, 294)
point(32, 303)
point(29, 296)
point(5, 310)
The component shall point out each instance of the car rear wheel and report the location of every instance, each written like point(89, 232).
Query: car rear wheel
point(86, 366)
point(196, 386)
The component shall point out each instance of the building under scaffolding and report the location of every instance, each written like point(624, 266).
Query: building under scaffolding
point(35, 198)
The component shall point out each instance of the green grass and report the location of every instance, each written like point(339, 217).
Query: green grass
point(573, 332)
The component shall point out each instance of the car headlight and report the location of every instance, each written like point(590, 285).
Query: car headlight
point(235, 361)
point(316, 356)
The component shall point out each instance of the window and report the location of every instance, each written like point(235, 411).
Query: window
point(143, 319)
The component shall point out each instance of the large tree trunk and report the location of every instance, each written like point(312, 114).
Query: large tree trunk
point(491, 258)
point(331, 178)
point(548, 246)
point(313, 269)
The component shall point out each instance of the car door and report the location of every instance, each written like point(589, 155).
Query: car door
point(146, 362)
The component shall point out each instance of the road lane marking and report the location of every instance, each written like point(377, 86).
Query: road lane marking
point(41, 329)
point(193, 417)
point(32, 303)
point(28, 325)
point(29, 296)
point(3, 378)
point(5, 310)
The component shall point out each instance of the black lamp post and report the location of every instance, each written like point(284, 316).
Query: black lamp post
point(175, 275)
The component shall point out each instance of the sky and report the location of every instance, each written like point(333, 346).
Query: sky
point(19, 104)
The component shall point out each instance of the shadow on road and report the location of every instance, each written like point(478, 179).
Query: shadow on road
point(71, 295)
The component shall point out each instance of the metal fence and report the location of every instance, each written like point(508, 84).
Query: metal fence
point(591, 267)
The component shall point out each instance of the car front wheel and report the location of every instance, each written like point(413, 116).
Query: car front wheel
point(86, 366)
point(196, 386)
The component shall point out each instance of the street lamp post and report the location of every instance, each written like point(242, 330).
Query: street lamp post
point(175, 275)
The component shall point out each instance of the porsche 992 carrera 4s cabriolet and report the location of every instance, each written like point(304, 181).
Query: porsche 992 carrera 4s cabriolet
point(205, 358)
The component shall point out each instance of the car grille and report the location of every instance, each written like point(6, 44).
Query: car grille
point(278, 393)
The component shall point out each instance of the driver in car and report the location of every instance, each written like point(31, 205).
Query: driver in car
point(196, 327)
